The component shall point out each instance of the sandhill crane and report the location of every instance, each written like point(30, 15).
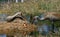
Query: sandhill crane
point(52, 16)
point(17, 15)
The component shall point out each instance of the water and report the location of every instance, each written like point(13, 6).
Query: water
point(3, 17)
point(45, 29)
point(2, 35)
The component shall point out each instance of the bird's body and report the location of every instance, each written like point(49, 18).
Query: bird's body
point(51, 16)
point(17, 15)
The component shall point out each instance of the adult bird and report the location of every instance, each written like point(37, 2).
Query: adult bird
point(16, 15)
point(52, 16)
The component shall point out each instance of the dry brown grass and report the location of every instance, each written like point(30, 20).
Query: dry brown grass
point(14, 28)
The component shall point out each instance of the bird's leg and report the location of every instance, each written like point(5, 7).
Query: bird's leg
point(52, 26)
